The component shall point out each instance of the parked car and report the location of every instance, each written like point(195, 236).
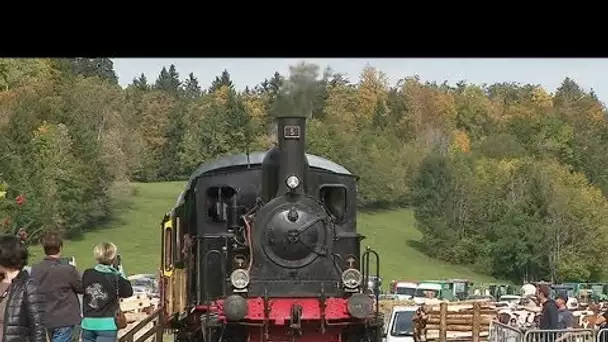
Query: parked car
point(400, 326)
point(147, 281)
point(140, 291)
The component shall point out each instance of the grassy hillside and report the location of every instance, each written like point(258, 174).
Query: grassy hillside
point(136, 231)
point(393, 235)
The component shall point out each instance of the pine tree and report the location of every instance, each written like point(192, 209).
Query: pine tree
point(239, 120)
point(174, 79)
point(275, 83)
point(163, 82)
point(568, 93)
point(168, 81)
point(141, 82)
point(192, 89)
point(221, 81)
point(272, 87)
point(104, 68)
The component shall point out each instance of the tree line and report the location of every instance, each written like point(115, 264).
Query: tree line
point(505, 177)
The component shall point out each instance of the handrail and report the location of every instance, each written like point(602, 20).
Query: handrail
point(158, 328)
point(366, 273)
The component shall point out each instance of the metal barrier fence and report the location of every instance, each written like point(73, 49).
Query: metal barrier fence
point(500, 332)
point(602, 335)
point(566, 335)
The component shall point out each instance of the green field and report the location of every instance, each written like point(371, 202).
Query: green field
point(136, 232)
point(393, 235)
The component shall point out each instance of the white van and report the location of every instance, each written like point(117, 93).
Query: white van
point(405, 290)
point(400, 327)
point(425, 291)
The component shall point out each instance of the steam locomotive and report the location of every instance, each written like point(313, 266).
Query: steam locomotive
point(264, 247)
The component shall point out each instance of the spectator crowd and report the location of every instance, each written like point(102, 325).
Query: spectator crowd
point(41, 304)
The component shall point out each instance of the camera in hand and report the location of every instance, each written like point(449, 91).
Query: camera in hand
point(68, 261)
point(118, 262)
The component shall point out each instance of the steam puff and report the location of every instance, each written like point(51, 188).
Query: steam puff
point(296, 96)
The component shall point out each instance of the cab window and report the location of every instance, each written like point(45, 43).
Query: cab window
point(168, 248)
point(334, 199)
point(216, 202)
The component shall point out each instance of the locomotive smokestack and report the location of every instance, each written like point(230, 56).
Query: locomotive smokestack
point(285, 167)
point(293, 163)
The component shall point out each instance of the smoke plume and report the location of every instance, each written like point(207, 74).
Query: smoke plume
point(297, 95)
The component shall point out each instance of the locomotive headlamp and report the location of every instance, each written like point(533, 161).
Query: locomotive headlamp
point(352, 278)
point(293, 182)
point(239, 279)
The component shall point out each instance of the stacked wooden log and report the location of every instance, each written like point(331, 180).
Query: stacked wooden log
point(457, 321)
point(386, 306)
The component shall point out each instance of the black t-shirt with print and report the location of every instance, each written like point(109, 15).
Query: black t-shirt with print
point(101, 296)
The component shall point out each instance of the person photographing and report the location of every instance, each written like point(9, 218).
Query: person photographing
point(104, 285)
point(60, 283)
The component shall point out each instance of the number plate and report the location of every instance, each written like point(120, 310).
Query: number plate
point(291, 132)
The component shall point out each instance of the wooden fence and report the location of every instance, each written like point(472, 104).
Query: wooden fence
point(157, 318)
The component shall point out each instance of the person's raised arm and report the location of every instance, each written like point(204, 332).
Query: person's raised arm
point(125, 290)
point(76, 281)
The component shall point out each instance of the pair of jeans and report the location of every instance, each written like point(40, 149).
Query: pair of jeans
point(99, 335)
point(62, 334)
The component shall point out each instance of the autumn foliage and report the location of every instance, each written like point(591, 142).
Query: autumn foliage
point(506, 177)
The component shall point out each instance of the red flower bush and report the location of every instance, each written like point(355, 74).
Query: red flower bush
point(8, 223)
point(20, 200)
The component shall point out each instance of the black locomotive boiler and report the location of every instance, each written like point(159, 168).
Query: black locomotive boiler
point(264, 247)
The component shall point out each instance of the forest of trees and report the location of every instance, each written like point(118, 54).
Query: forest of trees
point(505, 177)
